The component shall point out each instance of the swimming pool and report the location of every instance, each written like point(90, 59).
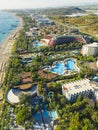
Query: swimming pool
point(60, 67)
point(95, 78)
point(53, 114)
point(70, 65)
point(37, 44)
point(47, 114)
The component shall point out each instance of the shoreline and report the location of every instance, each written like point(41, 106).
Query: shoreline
point(6, 47)
point(12, 35)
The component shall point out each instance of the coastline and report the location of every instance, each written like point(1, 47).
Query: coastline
point(12, 35)
point(6, 47)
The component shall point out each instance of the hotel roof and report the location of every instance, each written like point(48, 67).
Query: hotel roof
point(78, 86)
point(95, 44)
point(24, 86)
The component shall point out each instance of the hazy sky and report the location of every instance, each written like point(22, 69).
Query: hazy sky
point(14, 4)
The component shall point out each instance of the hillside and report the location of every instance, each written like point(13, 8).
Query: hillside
point(73, 10)
point(62, 11)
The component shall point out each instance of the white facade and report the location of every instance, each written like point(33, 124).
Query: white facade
point(13, 96)
point(97, 63)
point(73, 89)
point(96, 93)
point(90, 49)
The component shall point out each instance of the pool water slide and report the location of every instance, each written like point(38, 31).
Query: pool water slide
point(43, 104)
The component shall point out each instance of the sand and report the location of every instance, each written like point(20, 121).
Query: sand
point(6, 47)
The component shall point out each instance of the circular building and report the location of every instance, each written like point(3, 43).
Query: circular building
point(27, 89)
point(13, 96)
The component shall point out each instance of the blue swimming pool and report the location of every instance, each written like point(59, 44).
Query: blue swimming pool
point(37, 44)
point(95, 78)
point(70, 65)
point(60, 67)
point(53, 114)
point(46, 114)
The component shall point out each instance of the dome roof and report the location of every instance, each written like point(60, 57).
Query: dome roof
point(12, 96)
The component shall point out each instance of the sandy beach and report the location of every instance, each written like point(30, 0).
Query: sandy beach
point(6, 47)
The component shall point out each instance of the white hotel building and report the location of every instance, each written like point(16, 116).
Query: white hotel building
point(73, 89)
point(90, 49)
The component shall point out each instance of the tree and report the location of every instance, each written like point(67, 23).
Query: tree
point(74, 122)
point(95, 117)
point(88, 125)
point(23, 115)
point(22, 98)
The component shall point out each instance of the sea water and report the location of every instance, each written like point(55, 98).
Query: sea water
point(7, 24)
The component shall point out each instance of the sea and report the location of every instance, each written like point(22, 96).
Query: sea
point(7, 24)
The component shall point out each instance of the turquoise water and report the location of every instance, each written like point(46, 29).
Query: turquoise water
point(7, 24)
point(47, 114)
point(53, 114)
point(60, 67)
point(70, 65)
point(37, 44)
point(95, 78)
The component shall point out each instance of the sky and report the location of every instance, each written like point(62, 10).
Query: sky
point(24, 4)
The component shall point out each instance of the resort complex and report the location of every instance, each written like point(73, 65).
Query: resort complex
point(49, 71)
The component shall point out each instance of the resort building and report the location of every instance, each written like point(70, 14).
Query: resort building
point(68, 39)
point(90, 49)
point(44, 22)
point(96, 92)
point(27, 89)
point(44, 42)
point(81, 87)
point(76, 15)
point(52, 40)
point(13, 96)
point(97, 63)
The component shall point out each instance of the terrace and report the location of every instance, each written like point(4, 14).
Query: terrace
point(45, 75)
point(26, 77)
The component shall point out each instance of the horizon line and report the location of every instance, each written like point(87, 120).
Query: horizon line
point(62, 6)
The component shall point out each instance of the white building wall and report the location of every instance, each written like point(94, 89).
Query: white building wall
point(90, 49)
point(80, 87)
